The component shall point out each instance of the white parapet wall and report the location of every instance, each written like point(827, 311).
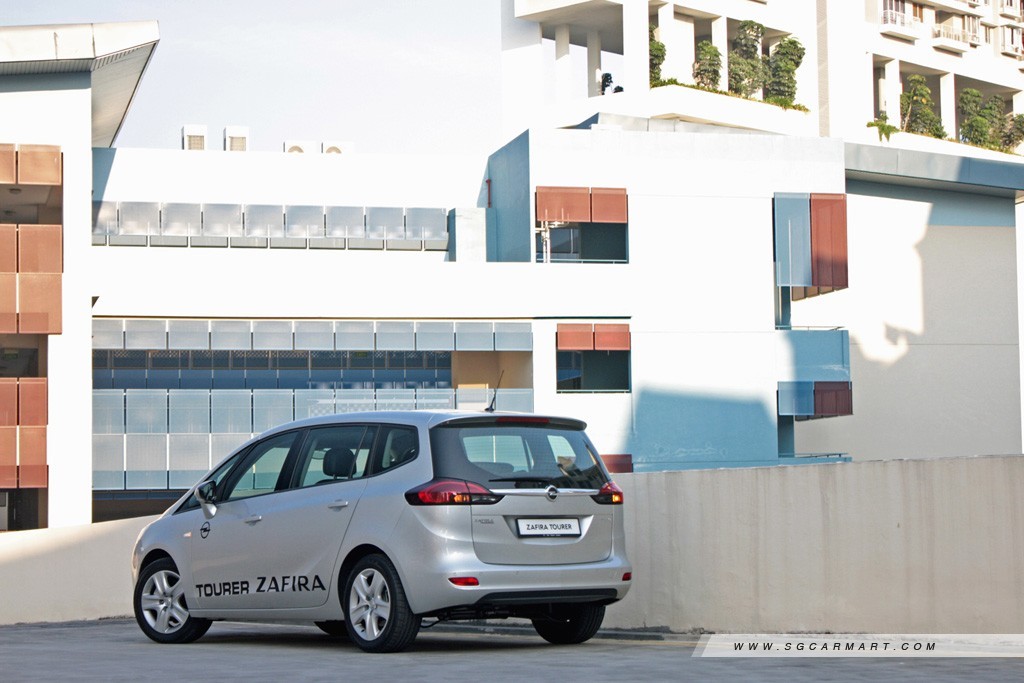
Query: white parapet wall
point(902, 546)
point(68, 574)
point(899, 546)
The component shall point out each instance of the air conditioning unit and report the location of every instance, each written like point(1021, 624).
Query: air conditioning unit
point(300, 146)
point(193, 137)
point(336, 146)
point(236, 138)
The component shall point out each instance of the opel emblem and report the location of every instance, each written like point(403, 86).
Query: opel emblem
point(204, 530)
point(551, 492)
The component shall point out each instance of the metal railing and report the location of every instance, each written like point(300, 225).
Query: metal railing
point(892, 17)
point(950, 33)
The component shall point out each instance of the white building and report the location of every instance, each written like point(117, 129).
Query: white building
point(691, 273)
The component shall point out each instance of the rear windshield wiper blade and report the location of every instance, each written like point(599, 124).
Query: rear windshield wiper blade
point(543, 480)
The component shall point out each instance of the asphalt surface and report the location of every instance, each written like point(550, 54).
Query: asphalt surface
point(115, 650)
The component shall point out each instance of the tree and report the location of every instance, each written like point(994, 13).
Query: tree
point(707, 70)
point(917, 109)
point(657, 49)
point(782, 65)
point(606, 82)
point(986, 124)
point(974, 128)
point(747, 68)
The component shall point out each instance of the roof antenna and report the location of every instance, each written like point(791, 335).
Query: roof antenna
point(490, 408)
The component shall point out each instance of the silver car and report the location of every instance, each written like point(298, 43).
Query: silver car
point(369, 524)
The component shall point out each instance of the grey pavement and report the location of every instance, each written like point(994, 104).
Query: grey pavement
point(115, 650)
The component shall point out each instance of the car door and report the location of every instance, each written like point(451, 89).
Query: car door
point(292, 536)
point(234, 548)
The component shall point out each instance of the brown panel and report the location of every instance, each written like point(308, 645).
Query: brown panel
point(39, 298)
point(840, 249)
point(8, 402)
point(828, 240)
point(570, 204)
point(608, 205)
point(575, 337)
point(618, 463)
point(32, 401)
point(8, 302)
point(8, 166)
point(40, 249)
point(39, 165)
point(611, 337)
point(833, 398)
point(8, 457)
point(8, 248)
point(32, 457)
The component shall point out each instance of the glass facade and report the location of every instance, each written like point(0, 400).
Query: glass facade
point(209, 225)
point(171, 398)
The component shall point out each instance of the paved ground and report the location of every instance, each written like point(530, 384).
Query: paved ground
point(116, 650)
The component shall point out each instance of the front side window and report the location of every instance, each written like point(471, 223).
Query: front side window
point(261, 471)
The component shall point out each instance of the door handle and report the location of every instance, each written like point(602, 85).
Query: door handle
point(338, 504)
point(254, 519)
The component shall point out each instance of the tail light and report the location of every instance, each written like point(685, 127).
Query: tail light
point(610, 494)
point(451, 492)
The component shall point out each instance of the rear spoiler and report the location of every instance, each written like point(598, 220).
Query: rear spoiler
point(515, 419)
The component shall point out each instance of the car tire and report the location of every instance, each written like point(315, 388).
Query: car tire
point(377, 614)
point(160, 607)
point(335, 628)
point(569, 624)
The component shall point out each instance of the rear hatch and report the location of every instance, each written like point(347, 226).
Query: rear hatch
point(551, 501)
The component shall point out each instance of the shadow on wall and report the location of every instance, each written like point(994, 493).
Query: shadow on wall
point(681, 431)
point(934, 353)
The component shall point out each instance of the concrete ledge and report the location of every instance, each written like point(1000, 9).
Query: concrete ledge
point(249, 242)
point(362, 243)
point(435, 245)
point(288, 242)
point(168, 241)
point(127, 240)
point(327, 243)
point(208, 241)
point(99, 240)
point(404, 245)
point(66, 574)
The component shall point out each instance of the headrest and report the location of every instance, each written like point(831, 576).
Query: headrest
point(339, 462)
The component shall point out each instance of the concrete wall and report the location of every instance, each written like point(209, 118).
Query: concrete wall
point(925, 546)
point(932, 315)
point(67, 574)
point(56, 110)
point(884, 547)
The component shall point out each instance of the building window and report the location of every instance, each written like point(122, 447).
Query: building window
point(593, 371)
point(918, 10)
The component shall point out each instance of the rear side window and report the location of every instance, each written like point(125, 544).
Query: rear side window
point(515, 456)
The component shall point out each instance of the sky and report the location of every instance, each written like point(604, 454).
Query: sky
point(389, 76)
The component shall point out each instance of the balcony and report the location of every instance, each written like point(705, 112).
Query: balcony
point(952, 39)
point(900, 25)
point(1012, 49)
point(1010, 10)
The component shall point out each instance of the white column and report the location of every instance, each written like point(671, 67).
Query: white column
point(720, 39)
point(947, 104)
point(677, 35)
point(563, 63)
point(593, 63)
point(636, 58)
point(893, 89)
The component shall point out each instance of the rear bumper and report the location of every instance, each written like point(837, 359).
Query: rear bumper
point(518, 585)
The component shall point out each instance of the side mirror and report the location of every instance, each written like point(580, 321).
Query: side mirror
point(206, 495)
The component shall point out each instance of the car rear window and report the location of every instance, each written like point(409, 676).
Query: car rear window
point(515, 456)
